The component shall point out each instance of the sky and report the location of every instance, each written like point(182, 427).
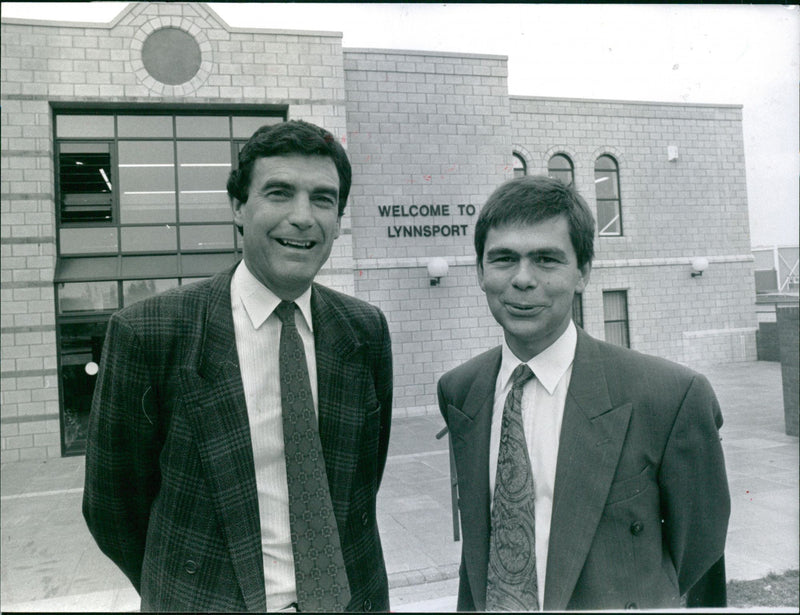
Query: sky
point(745, 55)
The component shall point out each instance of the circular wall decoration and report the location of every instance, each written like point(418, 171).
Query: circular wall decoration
point(171, 56)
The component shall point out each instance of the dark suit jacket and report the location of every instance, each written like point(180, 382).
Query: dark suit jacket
point(641, 503)
point(170, 490)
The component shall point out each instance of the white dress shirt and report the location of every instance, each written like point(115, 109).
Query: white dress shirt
point(543, 400)
point(258, 332)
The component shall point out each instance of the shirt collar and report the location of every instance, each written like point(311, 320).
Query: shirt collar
point(259, 301)
point(549, 366)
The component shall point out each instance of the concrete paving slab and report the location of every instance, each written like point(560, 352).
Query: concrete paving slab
point(437, 597)
point(112, 600)
point(750, 488)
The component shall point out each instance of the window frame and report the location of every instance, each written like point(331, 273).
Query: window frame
point(569, 162)
point(59, 199)
point(618, 199)
point(524, 167)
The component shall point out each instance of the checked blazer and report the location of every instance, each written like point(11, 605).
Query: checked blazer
point(170, 493)
point(640, 502)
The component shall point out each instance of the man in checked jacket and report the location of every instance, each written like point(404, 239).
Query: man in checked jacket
point(186, 478)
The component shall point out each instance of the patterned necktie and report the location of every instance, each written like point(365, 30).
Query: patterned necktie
point(320, 575)
point(511, 578)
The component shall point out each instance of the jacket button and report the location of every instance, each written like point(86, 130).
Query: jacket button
point(631, 605)
point(636, 528)
point(191, 566)
point(364, 519)
point(367, 605)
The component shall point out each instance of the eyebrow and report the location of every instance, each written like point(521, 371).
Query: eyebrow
point(503, 251)
point(326, 191)
point(276, 183)
point(321, 190)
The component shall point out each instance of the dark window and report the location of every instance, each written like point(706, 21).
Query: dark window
point(87, 296)
point(84, 126)
point(615, 315)
point(85, 180)
point(136, 290)
point(520, 168)
point(144, 126)
point(609, 205)
point(560, 167)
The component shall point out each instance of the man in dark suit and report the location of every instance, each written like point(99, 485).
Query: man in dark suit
point(590, 476)
point(203, 443)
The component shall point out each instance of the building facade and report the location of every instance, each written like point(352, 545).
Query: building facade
point(117, 139)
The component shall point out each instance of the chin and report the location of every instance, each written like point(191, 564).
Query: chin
point(299, 282)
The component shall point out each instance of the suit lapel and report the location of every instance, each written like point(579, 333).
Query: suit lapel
point(470, 429)
point(214, 397)
point(344, 397)
point(592, 434)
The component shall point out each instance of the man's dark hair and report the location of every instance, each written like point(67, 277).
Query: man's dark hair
point(531, 199)
point(287, 138)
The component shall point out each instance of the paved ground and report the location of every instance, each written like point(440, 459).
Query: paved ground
point(50, 563)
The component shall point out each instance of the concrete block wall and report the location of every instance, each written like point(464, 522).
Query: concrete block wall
point(671, 212)
point(433, 328)
point(697, 321)
point(49, 63)
point(29, 420)
point(694, 206)
point(424, 129)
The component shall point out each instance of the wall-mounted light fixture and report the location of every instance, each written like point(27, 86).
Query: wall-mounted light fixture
point(699, 265)
point(437, 269)
point(672, 153)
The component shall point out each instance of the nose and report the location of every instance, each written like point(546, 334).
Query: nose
point(525, 276)
point(301, 214)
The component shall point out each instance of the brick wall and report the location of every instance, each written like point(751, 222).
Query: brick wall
point(424, 129)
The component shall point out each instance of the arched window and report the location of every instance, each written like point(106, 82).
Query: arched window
point(609, 206)
point(520, 168)
point(560, 167)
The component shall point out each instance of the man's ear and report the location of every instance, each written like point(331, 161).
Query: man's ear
point(586, 272)
point(237, 207)
point(479, 270)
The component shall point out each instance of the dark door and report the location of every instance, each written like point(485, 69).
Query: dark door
point(80, 345)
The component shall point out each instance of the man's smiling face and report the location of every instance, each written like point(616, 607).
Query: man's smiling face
point(530, 275)
point(290, 220)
